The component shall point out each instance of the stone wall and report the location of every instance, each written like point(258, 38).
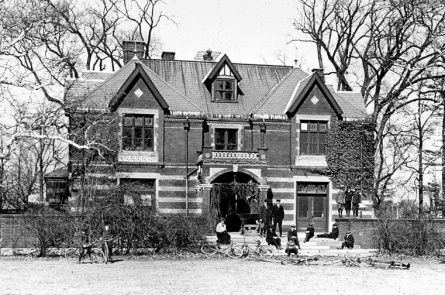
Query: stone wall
point(362, 229)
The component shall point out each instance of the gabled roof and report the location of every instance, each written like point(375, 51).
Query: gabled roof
point(138, 73)
point(107, 92)
point(302, 90)
point(224, 60)
point(270, 90)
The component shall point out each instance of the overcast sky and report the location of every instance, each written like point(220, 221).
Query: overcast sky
point(248, 31)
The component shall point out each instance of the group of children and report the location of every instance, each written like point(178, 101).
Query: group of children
point(348, 198)
point(293, 244)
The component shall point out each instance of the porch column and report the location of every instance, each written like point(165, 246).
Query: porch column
point(263, 192)
point(206, 199)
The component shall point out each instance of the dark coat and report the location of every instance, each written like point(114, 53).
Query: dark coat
point(278, 213)
point(356, 198)
point(310, 231)
point(348, 196)
point(293, 233)
point(349, 240)
point(334, 233)
point(266, 215)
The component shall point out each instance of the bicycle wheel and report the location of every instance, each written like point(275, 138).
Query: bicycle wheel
point(97, 256)
point(72, 253)
point(266, 252)
point(235, 252)
point(209, 249)
point(286, 261)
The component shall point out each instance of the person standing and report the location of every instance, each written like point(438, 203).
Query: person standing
point(356, 200)
point(348, 200)
point(278, 216)
point(310, 232)
point(265, 217)
point(107, 239)
point(340, 202)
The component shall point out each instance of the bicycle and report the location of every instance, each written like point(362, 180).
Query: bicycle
point(346, 261)
point(300, 260)
point(211, 249)
point(259, 252)
point(388, 264)
point(95, 254)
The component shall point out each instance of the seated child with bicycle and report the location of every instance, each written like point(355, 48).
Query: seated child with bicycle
point(292, 242)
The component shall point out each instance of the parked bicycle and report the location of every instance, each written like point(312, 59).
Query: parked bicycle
point(92, 251)
point(346, 261)
point(212, 249)
point(382, 263)
point(255, 251)
point(306, 260)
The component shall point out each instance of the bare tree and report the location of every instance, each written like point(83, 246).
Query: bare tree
point(391, 45)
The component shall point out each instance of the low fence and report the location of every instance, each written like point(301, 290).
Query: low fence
point(362, 229)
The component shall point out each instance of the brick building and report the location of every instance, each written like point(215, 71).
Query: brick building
point(264, 126)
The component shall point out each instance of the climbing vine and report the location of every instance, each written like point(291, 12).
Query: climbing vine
point(350, 155)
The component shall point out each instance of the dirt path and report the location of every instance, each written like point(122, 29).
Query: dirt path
point(223, 276)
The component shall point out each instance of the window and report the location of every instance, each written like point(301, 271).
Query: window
point(137, 133)
point(226, 139)
point(224, 90)
point(313, 137)
point(139, 192)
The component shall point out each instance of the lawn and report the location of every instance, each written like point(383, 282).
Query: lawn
point(213, 276)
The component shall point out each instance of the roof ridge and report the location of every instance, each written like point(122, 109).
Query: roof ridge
point(145, 67)
point(213, 62)
point(265, 98)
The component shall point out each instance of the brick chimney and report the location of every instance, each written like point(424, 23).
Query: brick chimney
point(320, 72)
point(208, 55)
point(168, 55)
point(130, 48)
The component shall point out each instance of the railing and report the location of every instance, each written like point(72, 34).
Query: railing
point(235, 155)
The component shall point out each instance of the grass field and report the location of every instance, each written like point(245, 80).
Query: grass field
point(213, 276)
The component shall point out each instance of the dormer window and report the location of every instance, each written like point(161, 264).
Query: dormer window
point(224, 89)
point(223, 81)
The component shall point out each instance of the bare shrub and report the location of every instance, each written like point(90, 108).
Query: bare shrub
point(416, 236)
point(49, 227)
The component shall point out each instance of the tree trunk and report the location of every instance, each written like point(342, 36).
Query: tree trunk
point(443, 146)
point(420, 153)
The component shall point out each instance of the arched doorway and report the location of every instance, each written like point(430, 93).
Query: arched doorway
point(233, 193)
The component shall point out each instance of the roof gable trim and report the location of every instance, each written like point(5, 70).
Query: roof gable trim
point(315, 79)
point(222, 62)
point(138, 72)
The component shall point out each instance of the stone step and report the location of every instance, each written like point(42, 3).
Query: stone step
point(313, 244)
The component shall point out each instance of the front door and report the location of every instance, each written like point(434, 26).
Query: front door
point(312, 205)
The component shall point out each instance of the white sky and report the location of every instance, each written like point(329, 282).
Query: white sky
point(248, 31)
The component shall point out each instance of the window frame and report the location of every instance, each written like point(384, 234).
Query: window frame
point(309, 146)
point(148, 183)
point(226, 139)
point(224, 92)
point(143, 146)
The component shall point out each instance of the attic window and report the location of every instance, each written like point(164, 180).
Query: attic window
point(224, 89)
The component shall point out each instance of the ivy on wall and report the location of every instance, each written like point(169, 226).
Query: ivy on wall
point(350, 155)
